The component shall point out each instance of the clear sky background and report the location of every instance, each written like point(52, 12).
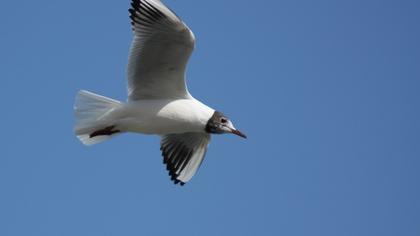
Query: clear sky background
point(328, 93)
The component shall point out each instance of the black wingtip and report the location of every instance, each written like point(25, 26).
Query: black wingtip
point(177, 181)
point(170, 168)
point(144, 13)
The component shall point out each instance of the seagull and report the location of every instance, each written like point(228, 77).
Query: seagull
point(159, 102)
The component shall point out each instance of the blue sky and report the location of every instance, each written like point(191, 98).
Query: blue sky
point(327, 92)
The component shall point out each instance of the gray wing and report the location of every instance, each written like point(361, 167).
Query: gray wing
point(183, 154)
point(159, 54)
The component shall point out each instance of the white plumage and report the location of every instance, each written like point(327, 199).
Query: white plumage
point(158, 99)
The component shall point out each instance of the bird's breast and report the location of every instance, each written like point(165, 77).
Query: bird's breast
point(165, 116)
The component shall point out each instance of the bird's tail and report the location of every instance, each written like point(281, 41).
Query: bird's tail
point(94, 121)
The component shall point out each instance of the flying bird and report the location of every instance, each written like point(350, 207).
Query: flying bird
point(158, 102)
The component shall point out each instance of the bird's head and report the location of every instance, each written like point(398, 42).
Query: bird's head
point(220, 124)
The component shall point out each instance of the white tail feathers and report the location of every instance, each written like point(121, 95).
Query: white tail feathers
point(93, 113)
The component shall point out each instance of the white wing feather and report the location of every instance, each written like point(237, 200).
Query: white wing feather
point(183, 154)
point(159, 54)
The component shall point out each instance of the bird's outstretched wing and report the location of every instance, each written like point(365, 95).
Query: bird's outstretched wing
point(183, 154)
point(160, 50)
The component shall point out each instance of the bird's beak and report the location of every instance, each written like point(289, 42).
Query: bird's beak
point(237, 132)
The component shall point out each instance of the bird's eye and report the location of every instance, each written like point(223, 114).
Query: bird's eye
point(223, 120)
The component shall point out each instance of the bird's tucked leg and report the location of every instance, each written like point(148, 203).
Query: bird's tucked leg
point(105, 131)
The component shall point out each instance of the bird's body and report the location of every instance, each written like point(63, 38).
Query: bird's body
point(163, 116)
point(159, 102)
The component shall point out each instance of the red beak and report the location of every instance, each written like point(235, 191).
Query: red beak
point(239, 133)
